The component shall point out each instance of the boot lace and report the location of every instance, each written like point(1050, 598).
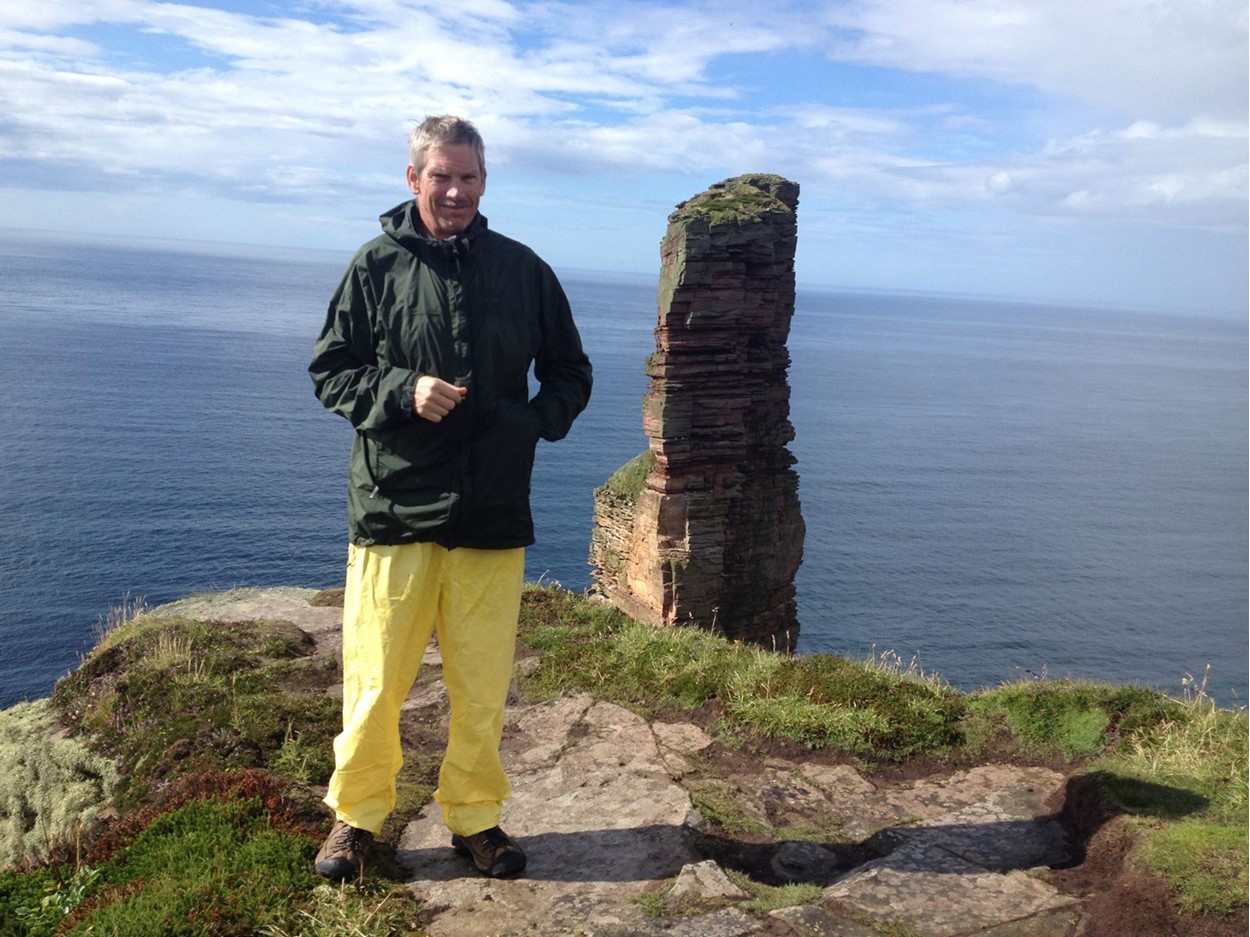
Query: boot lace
point(350, 839)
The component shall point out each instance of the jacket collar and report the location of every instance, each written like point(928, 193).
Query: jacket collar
point(401, 225)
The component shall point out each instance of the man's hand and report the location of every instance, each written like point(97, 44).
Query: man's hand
point(433, 398)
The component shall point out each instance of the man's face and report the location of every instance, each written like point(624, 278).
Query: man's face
point(447, 189)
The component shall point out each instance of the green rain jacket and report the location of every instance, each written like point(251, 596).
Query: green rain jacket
point(476, 310)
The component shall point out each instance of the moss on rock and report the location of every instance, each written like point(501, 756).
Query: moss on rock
point(628, 480)
point(739, 200)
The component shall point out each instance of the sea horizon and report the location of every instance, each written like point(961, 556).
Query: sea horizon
point(642, 278)
point(998, 489)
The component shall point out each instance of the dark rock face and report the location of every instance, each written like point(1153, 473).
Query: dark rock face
point(705, 528)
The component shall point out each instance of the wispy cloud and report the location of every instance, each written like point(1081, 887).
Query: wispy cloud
point(1140, 58)
point(1024, 111)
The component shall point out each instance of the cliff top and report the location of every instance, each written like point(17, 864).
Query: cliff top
point(642, 814)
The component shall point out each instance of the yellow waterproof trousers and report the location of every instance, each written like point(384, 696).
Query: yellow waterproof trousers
point(396, 596)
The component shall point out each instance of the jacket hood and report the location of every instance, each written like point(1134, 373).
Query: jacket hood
point(400, 225)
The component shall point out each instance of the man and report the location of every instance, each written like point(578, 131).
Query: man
point(426, 349)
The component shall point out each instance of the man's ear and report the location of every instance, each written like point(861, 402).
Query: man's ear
point(414, 180)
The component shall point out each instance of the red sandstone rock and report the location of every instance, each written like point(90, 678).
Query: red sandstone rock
point(705, 528)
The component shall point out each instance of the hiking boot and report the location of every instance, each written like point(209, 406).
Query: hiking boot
point(342, 855)
point(493, 852)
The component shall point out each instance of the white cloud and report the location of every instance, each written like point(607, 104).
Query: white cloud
point(1163, 59)
point(1124, 111)
point(1193, 174)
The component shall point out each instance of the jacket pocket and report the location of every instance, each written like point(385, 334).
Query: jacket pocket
point(503, 457)
point(415, 458)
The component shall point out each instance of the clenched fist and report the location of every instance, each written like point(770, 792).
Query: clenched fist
point(434, 398)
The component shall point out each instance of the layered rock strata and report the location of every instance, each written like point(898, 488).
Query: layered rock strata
point(705, 527)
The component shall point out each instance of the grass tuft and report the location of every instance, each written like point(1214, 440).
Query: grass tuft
point(1184, 780)
point(628, 481)
point(1072, 717)
point(129, 608)
point(366, 910)
point(767, 898)
point(165, 695)
point(820, 701)
point(1204, 863)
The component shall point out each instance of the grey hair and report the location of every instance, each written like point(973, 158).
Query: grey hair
point(441, 130)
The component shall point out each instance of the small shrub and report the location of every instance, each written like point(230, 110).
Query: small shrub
point(22, 891)
point(301, 762)
point(60, 898)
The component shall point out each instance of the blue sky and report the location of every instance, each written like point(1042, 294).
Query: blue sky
point(1085, 151)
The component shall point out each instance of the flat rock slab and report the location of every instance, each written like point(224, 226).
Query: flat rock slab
point(811, 921)
point(938, 894)
point(281, 603)
point(966, 871)
point(1010, 828)
point(595, 808)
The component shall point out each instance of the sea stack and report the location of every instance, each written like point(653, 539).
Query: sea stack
point(705, 528)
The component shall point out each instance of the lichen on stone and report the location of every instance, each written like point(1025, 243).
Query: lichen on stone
point(51, 787)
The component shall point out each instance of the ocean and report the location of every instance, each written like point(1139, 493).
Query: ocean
point(993, 490)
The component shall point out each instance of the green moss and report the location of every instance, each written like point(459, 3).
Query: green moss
point(743, 199)
point(207, 868)
point(629, 480)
